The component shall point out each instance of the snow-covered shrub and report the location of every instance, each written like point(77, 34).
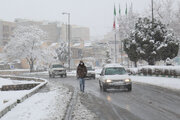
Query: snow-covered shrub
point(172, 73)
point(166, 72)
point(144, 71)
point(156, 70)
point(149, 71)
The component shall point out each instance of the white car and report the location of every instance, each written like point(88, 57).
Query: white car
point(114, 76)
point(57, 70)
point(90, 73)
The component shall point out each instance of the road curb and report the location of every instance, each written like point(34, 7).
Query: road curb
point(31, 92)
point(71, 103)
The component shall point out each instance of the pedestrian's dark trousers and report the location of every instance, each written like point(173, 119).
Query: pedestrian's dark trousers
point(82, 84)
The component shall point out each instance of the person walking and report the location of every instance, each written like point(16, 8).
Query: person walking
point(81, 74)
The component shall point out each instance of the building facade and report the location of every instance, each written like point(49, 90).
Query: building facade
point(6, 29)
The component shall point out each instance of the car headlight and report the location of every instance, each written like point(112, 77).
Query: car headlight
point(108, 81)
point(127, 80)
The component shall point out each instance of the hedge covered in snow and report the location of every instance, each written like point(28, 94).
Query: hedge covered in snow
point(156, 70)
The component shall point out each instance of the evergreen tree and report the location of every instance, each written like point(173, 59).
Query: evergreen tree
point(151, 42)
point(130, 49)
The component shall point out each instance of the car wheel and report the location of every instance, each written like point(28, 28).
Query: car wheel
point(100, 85)
point(129, 87)
point(49, 75)
point(65, 75)
point(104, 88)
point(53, 75)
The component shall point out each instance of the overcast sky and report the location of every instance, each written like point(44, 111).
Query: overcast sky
point(96, 14)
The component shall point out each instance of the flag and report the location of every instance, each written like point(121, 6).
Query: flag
point(126, 9)
point(114, 24)
point(119, 10)
point(114, 10)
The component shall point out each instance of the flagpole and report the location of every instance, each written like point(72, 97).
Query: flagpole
point(114, 27)
point(115, 46)
point(120, 36)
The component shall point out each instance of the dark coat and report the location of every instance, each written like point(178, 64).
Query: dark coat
point(81, 71)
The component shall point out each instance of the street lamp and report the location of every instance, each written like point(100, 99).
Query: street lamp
point(69, 37)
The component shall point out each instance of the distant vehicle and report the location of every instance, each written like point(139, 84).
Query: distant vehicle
point(114, 76)
point(90, 73)
point(57, 70)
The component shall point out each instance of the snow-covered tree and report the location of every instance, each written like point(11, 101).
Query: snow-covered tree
point(62, 52)
point(26, 43)
point(165, 11)
point(108, 57)
point(131, 50)
point(51, 55)
point(152, 42)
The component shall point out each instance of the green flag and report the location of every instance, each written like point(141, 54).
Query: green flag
point(114, 23)
point(119, 10)
point(126, 9)
point(114, 10)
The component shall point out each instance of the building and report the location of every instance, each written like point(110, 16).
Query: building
point(56, 32)
point(77, 33)
point(51, 28)
point(6, 29)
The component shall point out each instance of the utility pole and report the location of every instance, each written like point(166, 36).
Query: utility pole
point(152, 3)
point(69, 40)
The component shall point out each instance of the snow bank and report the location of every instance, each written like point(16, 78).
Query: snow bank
point(13, 82)
point(27, 70)
point(172, 83)
point(71, 73)
point(7, 97)
point(42, 106)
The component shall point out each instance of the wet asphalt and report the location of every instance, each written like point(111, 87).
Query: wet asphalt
point(144, 102)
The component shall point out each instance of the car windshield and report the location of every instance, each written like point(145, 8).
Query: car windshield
point(89, 68)
point(115, 71)
point(57, 66)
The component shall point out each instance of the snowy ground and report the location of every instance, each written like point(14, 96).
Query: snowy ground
point(13, 82)
point(7, 97)
point(16, 70)
point(42, 106)
point(81, 112)
point(52, 104)
point(71, 73)
point(172, 83)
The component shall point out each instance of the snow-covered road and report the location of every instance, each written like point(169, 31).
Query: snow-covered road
point(144, 102)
